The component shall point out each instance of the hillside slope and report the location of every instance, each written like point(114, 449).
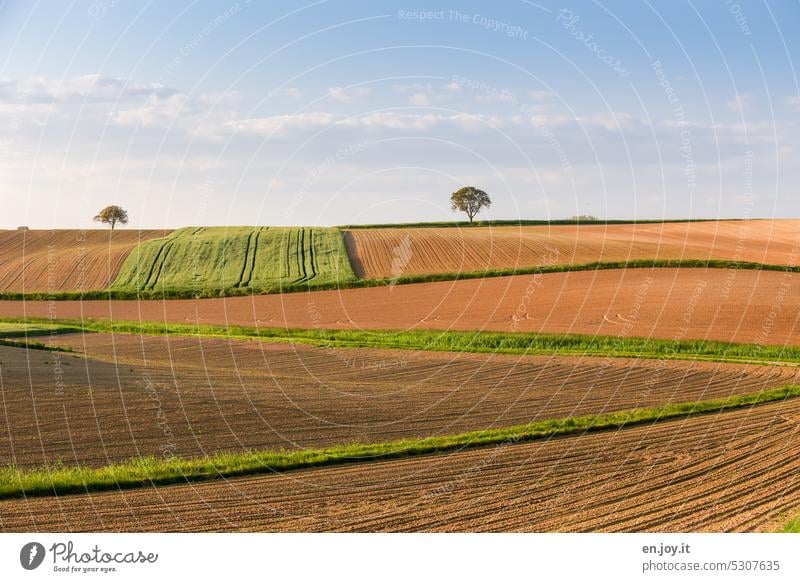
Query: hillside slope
point(252, 258)
point(396, 252)
point(65, 260)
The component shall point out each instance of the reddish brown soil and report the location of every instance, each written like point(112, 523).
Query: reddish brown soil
point(735, 471)
point(189, 396)
point(730, 305)
point(65, 260)
point(395, 252)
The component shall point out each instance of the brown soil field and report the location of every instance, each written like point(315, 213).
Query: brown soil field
point(735, 471)
point(65, 260)
point(719, 304)
point(136, 396)
point(396, 252)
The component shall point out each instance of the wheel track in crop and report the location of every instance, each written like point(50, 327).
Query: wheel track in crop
point(163, 253)
point(253, 259)
point(245, 262)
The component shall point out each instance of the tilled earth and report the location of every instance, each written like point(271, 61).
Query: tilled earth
point(132, 396)
point(734, 471)
point(65, 260)
point(394, 252)
point(729, 305)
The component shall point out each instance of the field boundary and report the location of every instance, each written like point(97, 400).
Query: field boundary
point(18, 337)
point(511, 343)
point(150, 471)
point(34, 345)
point(792, 526)
point(562, 222)
point(27, 329)
point(312, 285)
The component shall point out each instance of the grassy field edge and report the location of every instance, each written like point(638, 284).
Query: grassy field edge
point(512, 343)
point(16, 335)
point(29, 345)
point(793, 526)
point(60, 480)
point(178, 293)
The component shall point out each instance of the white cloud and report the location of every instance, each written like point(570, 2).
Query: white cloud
point(609, 121)
point(413, 88)
point(291, 92)
point(539, 95)
point(425, 94)
point(281, 124)
point(419, 99)
point(350, 96)
point(501, 96)
point(84, 105)
point(740, 103)
point(92, 99)
point(198, 115)
point(90, 88)
point(75, 137)
point(155, 111)
point(399, 121)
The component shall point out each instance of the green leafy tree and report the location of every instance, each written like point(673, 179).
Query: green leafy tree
point(470, 200)
point(112, 215)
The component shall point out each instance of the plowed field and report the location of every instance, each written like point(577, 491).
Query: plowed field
point(735, 471)
point(188, 397)
point(397, 252)
point(65, 260)
point(728, 305)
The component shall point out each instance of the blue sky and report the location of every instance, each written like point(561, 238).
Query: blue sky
point(342, 112)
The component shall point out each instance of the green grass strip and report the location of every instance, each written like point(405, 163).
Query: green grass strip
point(32, 345)
point(166, 291)
point(16, 334)
point(20, 328)
point(60, 479)
point(516, 343)
point(792, 527)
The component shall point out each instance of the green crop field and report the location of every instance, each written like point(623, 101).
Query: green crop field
point(259, 259)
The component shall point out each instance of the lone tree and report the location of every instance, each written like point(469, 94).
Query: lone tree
point(112, 215)
point(470, 200)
